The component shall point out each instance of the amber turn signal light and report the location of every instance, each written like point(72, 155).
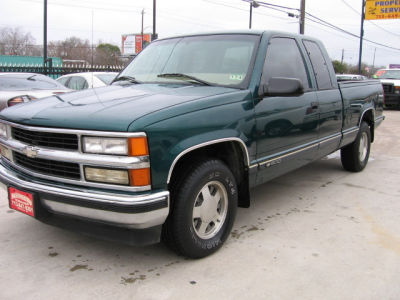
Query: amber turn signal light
point(140, 177)
point(138, 146)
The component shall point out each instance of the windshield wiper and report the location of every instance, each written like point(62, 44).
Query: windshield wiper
point(180, 76)
point(126, 78)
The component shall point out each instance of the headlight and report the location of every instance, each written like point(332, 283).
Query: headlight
point(136, 146)
point(3, 131)
point(136, 177)
point(397, 89)
point(5, 152)
point(107, 175)
point(101, 145)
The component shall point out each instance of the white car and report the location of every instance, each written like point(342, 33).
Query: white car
point(17, 88)
point(86, 80)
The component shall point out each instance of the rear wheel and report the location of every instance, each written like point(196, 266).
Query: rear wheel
point(204, 206)
point(355, 156)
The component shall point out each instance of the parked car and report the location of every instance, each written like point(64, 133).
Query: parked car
point(178, 140)
point(390, 79)
point(17, 88)
point(87, 80)
point(350, 77)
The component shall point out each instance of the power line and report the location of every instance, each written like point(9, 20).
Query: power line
point(243, 9)
point(321, 22)
point(324, 23)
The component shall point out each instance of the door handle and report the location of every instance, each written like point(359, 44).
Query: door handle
point(314, 105)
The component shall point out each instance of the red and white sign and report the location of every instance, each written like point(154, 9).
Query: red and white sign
point(21, 201)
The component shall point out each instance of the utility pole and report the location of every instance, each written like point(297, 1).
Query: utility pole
point(154, 36)
point(361, 35)
point(45, 37)
point(342, 56)
point(251, 14)
point(141, 48)
point(255, 5)
point(302, 15)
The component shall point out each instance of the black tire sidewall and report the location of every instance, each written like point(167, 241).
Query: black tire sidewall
point(189, 243)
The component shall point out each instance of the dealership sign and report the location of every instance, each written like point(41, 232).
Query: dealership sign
point(381, 10)
point(133, 43)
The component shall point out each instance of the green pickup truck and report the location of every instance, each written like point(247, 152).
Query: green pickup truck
point(175, 144)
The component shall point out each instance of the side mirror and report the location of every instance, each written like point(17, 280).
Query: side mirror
point(282, 86)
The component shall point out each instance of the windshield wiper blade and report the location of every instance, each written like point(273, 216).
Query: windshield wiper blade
point(126, 78)
point(181, 76)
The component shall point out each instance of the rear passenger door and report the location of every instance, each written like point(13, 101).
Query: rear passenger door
point(329, 99)
point(286, 127)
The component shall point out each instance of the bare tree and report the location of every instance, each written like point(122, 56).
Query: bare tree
point(13, 41)
point(72, 48)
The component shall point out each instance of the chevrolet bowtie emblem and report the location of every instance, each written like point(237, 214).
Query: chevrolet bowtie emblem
point(30, 151)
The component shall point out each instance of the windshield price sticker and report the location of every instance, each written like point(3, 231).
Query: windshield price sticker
point(238, 77)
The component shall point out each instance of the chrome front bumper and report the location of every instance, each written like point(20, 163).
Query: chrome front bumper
point(118, 209)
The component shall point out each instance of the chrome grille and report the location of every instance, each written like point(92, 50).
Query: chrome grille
point(48, 167)
point(46, 139)
point(388, 88)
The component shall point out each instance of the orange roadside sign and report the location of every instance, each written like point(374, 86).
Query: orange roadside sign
point(382, 10)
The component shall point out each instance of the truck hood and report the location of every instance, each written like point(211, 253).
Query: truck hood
point(396, 82)
point(109, 108)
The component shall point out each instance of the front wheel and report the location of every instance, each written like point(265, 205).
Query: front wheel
point(355, 156)
point(203, 209)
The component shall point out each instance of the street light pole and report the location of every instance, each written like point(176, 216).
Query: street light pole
point(251, 14)
point(45, 37)
point(154, 36)
point(141, 47)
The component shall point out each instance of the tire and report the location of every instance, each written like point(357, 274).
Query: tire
point(203, 211)
point(355, 156)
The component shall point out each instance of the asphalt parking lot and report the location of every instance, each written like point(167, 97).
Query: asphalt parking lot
point(316, 233)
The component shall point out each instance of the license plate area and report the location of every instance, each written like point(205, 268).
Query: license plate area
point(21, 201)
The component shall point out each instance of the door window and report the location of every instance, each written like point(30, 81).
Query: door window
point(284, 59)
point(319, 65)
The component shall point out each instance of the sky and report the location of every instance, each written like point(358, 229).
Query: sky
point(107, 21)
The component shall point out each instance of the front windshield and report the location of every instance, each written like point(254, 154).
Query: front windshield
point(388, 74)
point(222, 60)
point(106, 78)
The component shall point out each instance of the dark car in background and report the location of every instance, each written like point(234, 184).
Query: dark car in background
point(18, 88)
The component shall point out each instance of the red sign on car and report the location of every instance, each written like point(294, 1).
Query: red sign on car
point(21, 201)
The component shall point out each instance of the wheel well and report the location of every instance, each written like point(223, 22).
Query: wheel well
point(368, 117)
point(231, 153)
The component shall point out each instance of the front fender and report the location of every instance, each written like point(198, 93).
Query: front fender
point(172, 138)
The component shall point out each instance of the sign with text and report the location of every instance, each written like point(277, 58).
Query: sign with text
point(132, 43)
point(382, 10)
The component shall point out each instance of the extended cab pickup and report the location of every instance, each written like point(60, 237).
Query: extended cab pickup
point(175, 144)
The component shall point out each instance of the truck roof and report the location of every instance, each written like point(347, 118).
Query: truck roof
point(248, 31)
